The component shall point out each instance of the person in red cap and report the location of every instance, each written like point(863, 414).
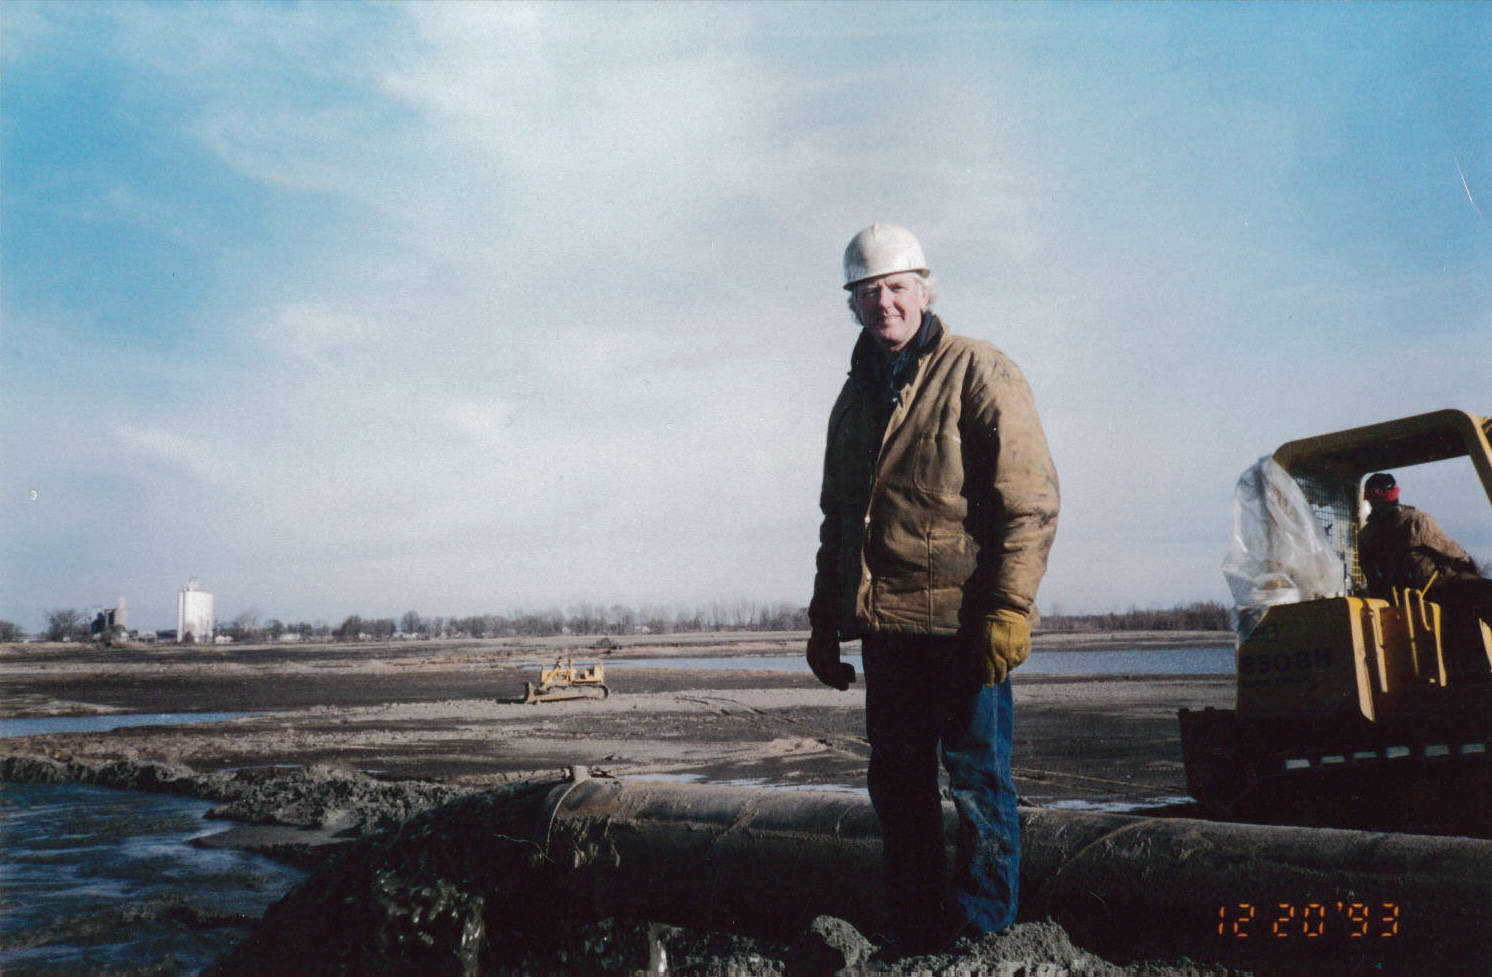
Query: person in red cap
point(1401, 546)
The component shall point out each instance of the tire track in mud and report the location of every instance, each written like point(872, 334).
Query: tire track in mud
point(859, 747)
point(852, 746)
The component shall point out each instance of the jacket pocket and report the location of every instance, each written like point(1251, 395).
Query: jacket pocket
point(938, 464)
point(950, 560)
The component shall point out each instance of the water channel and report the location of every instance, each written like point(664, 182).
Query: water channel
point(105, 881)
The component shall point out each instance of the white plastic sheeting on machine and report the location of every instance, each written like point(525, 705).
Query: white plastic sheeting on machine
point(1279, 553)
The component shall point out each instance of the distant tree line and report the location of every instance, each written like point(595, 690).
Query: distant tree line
point(63, 624)
point(1201, 616)
point(744, 615)
point(579, 619)
point(583, 619)
point(619, 619)
point(66, 624)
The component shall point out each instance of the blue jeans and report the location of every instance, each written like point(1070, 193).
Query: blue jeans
point(922, 693)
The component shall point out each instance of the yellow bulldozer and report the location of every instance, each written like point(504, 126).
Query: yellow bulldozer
point(567, 679)
point(1351, 710)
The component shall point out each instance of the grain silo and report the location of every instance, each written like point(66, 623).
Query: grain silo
point(194, 614)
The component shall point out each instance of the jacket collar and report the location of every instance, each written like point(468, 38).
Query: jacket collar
point(870, 369)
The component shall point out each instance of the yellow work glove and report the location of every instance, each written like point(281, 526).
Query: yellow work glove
point(1005, 642)
point(823, 659)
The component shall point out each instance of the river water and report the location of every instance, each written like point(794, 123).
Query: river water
point(102, 723)
point(97, 881)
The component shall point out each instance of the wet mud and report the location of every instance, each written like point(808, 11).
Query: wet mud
point(447, 894)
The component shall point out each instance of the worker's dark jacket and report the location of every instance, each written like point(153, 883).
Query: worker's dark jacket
point(939, 495)
point(1400, 546)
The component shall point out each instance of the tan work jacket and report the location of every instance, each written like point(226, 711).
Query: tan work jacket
point(951, 513)
point(1401, 546)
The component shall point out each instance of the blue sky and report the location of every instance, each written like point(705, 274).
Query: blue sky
point(353, 308)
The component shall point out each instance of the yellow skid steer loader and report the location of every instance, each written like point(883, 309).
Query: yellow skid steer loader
point(1354, 711)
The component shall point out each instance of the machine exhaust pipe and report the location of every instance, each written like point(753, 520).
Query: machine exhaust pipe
point(765, 862)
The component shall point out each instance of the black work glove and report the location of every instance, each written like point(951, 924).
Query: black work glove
point(823, 658)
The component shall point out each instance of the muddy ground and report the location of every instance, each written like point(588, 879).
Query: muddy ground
point(447, 711)
point(444, 713)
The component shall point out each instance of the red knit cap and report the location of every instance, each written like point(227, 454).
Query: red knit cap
point(1381, 487)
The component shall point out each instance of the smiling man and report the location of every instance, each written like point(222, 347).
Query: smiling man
point(940, 505)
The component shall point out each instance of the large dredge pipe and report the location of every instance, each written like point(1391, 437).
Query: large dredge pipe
point(765, 862)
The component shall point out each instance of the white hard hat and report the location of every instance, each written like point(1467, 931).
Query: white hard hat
point(881, 249)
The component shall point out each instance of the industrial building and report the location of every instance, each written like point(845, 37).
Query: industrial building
point(109, 622)
point(194, 617)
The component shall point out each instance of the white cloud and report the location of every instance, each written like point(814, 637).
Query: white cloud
point(148, 445)
point(489, 56)
point(482, 420)
point(311, 332)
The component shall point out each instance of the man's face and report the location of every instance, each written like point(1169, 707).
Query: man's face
point(890, 308)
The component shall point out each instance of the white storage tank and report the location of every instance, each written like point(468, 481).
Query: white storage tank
point(194, 614)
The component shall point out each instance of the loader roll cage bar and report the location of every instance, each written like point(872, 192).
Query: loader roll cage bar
point(1330, 468)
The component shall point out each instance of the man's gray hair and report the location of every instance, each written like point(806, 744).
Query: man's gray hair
point(925, 279)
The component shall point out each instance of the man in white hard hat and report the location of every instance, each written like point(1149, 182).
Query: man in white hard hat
point(940, 505)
